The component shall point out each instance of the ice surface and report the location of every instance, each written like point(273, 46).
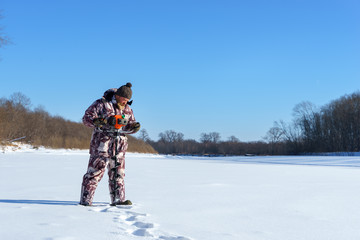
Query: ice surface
point(182, 198)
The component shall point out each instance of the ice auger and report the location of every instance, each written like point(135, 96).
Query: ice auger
point(120, 121)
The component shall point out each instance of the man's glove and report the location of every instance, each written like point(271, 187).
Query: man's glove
point(105, 121)
point(135, 127)
point(111, 121)
point(99, 122)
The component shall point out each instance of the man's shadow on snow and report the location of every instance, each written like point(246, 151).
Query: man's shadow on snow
point(41, 202)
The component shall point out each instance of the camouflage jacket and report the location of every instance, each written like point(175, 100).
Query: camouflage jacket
point(103, 108)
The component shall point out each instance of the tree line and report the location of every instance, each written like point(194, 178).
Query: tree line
point(39, 128)
point(334, 127)
point(172, 142)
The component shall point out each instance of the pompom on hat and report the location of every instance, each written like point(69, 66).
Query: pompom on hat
point(125, 91)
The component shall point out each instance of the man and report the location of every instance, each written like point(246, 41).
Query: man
point(112, 118)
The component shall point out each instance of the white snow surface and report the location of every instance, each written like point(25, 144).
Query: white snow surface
point(182, 198)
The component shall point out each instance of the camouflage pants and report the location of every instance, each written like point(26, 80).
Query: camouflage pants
point(95, 172)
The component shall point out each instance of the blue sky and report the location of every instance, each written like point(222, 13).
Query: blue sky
point(196, 66)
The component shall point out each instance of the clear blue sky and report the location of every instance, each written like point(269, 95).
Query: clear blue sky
point(197, 66)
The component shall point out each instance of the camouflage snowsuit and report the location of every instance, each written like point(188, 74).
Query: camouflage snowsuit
point(102, 149)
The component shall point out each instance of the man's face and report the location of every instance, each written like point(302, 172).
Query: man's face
point(121, 100)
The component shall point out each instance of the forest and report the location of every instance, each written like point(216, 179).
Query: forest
point(334, 127)
point(38, 128)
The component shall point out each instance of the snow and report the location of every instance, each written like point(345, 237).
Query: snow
point(182, 198)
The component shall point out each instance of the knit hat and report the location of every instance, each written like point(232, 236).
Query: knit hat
point(125, 91)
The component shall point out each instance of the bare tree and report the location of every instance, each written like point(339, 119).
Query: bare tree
point(213, 137)
point(143, 135)
point(20, 100)
point(171, 136)
point(275, 134)
point(304, 109)
point(205, 138)
point(233, 139)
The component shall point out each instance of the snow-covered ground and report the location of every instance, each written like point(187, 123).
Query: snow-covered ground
point(182, 198)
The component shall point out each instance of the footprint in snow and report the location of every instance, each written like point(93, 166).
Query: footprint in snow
point(137, 220)
point(143, 225)
point(135, 223)
point(142, 233)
